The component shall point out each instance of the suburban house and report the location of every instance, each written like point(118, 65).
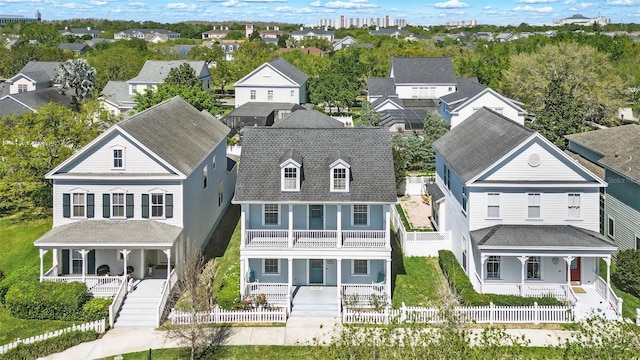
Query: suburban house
point(34, 76)
point(154, 72)
point(273, 81)
point(228, 48)
point(79, 32)
point(30, 101)
point(393, 32)
point(137, 199)
point(617, 152)
point(313, 33)
point(148, 35)
point(78, 48)
point(524, 216)
point(215, 34)
point(257, 114)
point(115, 97)
point(315, 213)
point(339, 44)
point(422, 77)
point(472, 96)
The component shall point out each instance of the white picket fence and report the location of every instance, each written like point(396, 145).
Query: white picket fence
point(98, 326)
point(217, 315)
point(419, 243)
point(479, 314)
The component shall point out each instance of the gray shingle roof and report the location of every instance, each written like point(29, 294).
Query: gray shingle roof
point(467, 88)
point(9, 105)
point(79, 47)
point(308, 119)
point(109, 234)
point(434, 190)
point(377, 86)
point(289, 70)
point(33, 99)
point(155, 71)
point(369, 150)
point(412, 118)
point(623, 141)
point(528, 236)
point(41, 71)
point(314, 31)
point(177, 132)
point(423, 70)
point(479, 141)
point(118, 92)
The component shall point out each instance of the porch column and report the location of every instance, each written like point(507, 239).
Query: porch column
point(243, 224)
point(243, 276)
point(607, 260)
point(290, 234)
point(568, 259)
point(55, 260)
point(168, 253)
point(289, 275)
point(84, 252)
point(42, 252)
point(339, 228)
point(339, 276)
point(523, 261)
point(387, 279)
point(387, 227)
point(483, 259)
point(125, 257)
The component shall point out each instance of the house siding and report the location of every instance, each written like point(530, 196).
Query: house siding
point(584, 152)
point(623, 189)
point(301, 217)
point(626, 222)
point(31, 86)
point(490, 101)
point(267, 79)
point(454, 218)
point(406, 91)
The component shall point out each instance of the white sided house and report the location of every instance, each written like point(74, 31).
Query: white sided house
point(155, 71)
point(140, 195)
point(524, 216)
point(315, 214)
point(36, 75)
point(422, 77)
point(276, 81)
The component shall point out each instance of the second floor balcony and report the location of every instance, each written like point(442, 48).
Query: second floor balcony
point(326, 239)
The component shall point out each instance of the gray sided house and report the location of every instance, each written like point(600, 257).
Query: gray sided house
point(315, 210)
point(617, 151)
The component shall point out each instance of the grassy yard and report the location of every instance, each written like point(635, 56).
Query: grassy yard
point(16, 247)
point(230, 258)
point(629, 302)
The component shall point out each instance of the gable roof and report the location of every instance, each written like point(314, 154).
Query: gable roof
point(379, 86)
point(40, 71)
point(176, 132)
point(78, 47)
point(289, 70)
point(478, 142)
point(314, 32)
point(467, 88)
point(536, 236)
point(368, 150)
point(117, 92)
point(308, 119)
point(619, 147)
point(155, 71)
point(504, 99)
point(30, 101)
point(422, 70)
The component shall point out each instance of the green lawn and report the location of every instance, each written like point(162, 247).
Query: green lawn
point(16, 247)
point(418, 286)
point(230, 258)
point(629, 302)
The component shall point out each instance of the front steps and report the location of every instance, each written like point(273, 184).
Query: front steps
point(140, 307)
point(315, 301)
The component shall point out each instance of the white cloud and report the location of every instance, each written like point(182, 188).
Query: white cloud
point(349, 5)
point(264, 1)
point(137, 4)
point(569, 2)
point(623, 2)
point(316, 4)
point(527, 8)
point(233, 3)
point(486, 7)
point(582, 6)
point(97, 3)
point(290, 10)
point(451, 4)
point(182, 6)
point(536, 1)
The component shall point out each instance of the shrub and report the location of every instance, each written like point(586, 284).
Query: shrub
point(22, 275)
point(229, 294)
point(627, 274)
point(460, 283)
point(96, 309)
point(47, 300)
point(50, 346)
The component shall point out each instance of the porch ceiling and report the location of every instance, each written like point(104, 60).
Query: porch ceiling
point(110, 234)
point(534, 237)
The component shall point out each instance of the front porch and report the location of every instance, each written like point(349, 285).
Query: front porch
point(316, 239)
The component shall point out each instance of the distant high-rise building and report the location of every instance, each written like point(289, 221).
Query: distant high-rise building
point(400, 23)
point(248, 30)
point(461, 23)
point(16, 19)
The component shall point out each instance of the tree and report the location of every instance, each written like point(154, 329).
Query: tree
point(368, 115)
point(434, 128)
point(332, 90)
point(183, 75)
point(194, 95)
point(399, 166)
point(77, 76)
point(627, 274)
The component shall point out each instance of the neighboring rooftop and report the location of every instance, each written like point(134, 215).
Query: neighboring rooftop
point(155, 71)
point(381, 86)
point(308, 119)
point(467, 88)
point(422, 70)
point(535, 236)
point(30, 101)
point(289, 70)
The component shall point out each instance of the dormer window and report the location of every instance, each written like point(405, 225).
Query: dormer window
point(340, 176)
point(290, 179)
point(291, 172)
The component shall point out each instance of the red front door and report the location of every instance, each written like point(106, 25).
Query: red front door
point(575, 270)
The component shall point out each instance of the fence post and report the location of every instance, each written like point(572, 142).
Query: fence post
point(536, 319)
point(637, 317)
point(403, 314)
point(492, 308)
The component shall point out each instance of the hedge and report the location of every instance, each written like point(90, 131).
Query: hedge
point(22, 275)
point(229, 294)
point(460, 284)
point(96, 309)
point(47, 300)
point(50, 346)
point(627, 273)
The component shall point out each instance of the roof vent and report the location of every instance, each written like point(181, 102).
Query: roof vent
point(616, 154)
point(533, 160)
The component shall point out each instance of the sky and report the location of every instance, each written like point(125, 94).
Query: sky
point(501, 12)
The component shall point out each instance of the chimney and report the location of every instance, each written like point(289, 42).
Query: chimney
point(214, 27)
point(267, 28)
point(88, 28)
point(276, 28)
point(301, 28)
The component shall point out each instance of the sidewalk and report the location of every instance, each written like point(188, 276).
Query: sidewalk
point(298, 331)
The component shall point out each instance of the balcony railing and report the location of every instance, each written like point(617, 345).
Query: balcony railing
point(275, 292)
point(317, 239)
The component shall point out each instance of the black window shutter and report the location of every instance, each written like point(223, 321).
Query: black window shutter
point(65, 261)
point(90, 206)
point(91, 262)
point(66, 205)
point(145, 206)
point(106, 206)
point(169, 205)
point(129, 206)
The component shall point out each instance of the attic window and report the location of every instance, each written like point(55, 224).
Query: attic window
point(290, 179)
point(118, 158)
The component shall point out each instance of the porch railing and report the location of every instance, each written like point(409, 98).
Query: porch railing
point(562, 292)
point(114, 308)
point(317, 238)
point(361, 293)
point(99, 286)
point(166, 289)
point(614, 301)
point(275, 292)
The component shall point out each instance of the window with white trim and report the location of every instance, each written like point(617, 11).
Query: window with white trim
point(253, 94)
point(360, 215)
point(493, 205)
point(271, 266)
point(213, 164)
point(293, 93)
point(340, 179)
point(611, 227)
point(360, 267)
point(205, 173)
point(533, 206)
point(79, 205)
point(637, 242)
point(117, 205)
point(534, 268)
point(447, 177)
point(573, 206)
point(118, 158)
point(465, 198)
point(290, 179)
point(157, 205)
point(22, 88)
point(269, 95)
point(271, 214)
point(493, 267)
point(220, 193)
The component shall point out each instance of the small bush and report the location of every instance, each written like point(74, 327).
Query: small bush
point(47, 300)
point(50, 346)
point(229, 294)
point(460, 283)
point(627, 274)
point(22, 275)
point(96, 309)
